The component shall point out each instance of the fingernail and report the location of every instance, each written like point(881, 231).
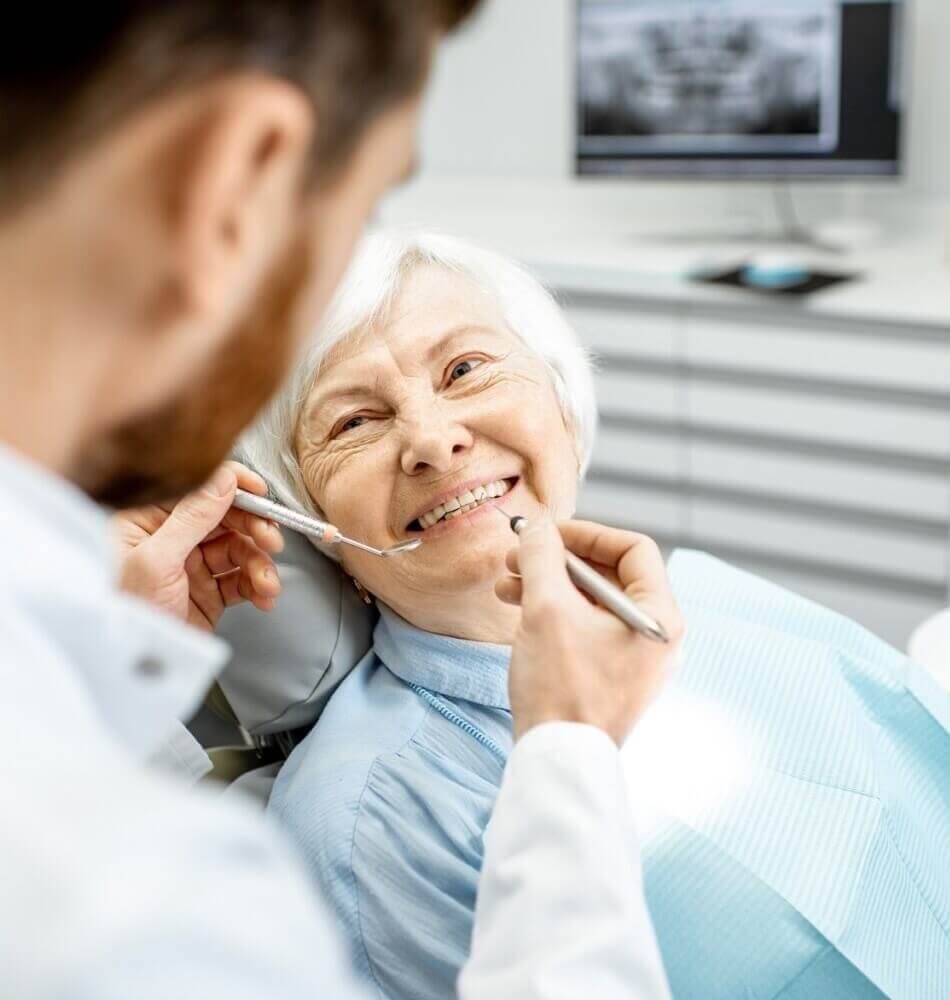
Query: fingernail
point(271, 574)
point(222, 482)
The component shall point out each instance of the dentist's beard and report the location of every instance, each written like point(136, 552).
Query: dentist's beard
point(164, 455)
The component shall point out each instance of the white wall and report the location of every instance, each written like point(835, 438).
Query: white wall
point(501, 101)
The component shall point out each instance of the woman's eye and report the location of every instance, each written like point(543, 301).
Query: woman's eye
point(463, 368)
point(352, 423)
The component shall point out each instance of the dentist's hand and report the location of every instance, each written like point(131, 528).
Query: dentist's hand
point(200, 556)
point(573, 661)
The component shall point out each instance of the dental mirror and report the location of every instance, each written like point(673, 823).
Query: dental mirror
point(322, 531)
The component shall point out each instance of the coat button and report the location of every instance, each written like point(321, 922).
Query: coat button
point(150, 667)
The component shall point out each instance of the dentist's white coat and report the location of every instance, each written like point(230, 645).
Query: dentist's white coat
point(118, 882)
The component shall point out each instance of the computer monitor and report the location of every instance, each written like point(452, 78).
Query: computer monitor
point(740, 88)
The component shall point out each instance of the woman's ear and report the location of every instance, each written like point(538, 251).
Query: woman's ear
point(365, 595)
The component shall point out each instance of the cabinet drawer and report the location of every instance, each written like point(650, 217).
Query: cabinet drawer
point(859, 547)
point(849, 422)
point(628, 394)
point(784, 350)
point(653, 512)
point(820, 479)
point(617, 331)
point(640, 453)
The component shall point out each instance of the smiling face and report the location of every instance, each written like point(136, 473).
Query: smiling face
point(419, 428)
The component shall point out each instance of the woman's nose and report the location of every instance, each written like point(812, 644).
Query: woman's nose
point(433, 442)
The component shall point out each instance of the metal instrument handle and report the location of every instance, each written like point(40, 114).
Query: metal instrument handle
point(263, 507)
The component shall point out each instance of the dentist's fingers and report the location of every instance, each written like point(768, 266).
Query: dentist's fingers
point(612, 547)
point(235, 589)
point(233, 551)
point(163, 551)
point(247, 479)
point(212, 590)
point(195, 517)
point(203, 591)
point(265, 533)
point(631, 560)
point(150, 518)
point(509, 590)
point(544, 579)
point(573, 661)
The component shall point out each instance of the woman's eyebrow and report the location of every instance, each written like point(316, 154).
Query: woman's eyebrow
point(346, 392)
point(454, 333)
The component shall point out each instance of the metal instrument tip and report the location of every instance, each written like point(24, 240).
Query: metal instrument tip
point(395, 550)
point(398, 550)
point(516, 521)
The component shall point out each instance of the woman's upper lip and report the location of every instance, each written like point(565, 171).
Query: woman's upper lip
point(455, 491)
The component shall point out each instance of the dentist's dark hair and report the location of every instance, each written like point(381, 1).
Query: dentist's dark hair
point(67, 77)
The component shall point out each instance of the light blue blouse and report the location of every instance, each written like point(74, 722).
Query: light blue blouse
point(820, 868)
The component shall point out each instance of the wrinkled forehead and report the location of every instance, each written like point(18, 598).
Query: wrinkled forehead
point(432, 306)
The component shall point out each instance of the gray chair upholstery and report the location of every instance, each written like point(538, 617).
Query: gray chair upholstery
point(254, 786)
point(285, 665)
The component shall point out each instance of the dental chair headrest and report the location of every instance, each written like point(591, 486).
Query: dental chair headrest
point(286, 664)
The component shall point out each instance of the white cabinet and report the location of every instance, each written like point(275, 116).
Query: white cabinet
point(644, 453)
point(820, 478)
point(667, 514)
point(816, 453)
point(811, 537)
point(798, 415)
point(863, 357)
point(626, 393)
point(643, 334)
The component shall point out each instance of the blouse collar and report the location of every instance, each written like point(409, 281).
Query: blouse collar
point(457, 668)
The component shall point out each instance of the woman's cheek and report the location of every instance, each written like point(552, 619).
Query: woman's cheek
point(547, 444)
point(516, 410)
point(339, 506)
point(322, 474)
point(357, 494)
point(535, 420)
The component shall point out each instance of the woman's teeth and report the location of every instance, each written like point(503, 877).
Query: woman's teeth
point(464, 502)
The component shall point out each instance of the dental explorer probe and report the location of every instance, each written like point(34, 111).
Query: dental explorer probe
point(322, 531)
point(602, 590)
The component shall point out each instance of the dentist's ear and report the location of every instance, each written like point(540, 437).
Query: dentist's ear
point(236, 178)
point(204, 195)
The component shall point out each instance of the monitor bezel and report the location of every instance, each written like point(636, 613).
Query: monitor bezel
point(702, 168)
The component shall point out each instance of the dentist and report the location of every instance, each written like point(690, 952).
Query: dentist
point(181, 185)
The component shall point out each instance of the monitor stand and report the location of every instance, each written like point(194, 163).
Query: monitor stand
point(753, 238)
point(849, 232)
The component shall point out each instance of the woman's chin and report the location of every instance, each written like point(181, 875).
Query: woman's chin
point(469, 566)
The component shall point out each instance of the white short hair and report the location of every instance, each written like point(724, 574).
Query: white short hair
point(367, 292)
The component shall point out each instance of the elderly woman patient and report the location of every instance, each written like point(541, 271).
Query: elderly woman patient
point(791, 787)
